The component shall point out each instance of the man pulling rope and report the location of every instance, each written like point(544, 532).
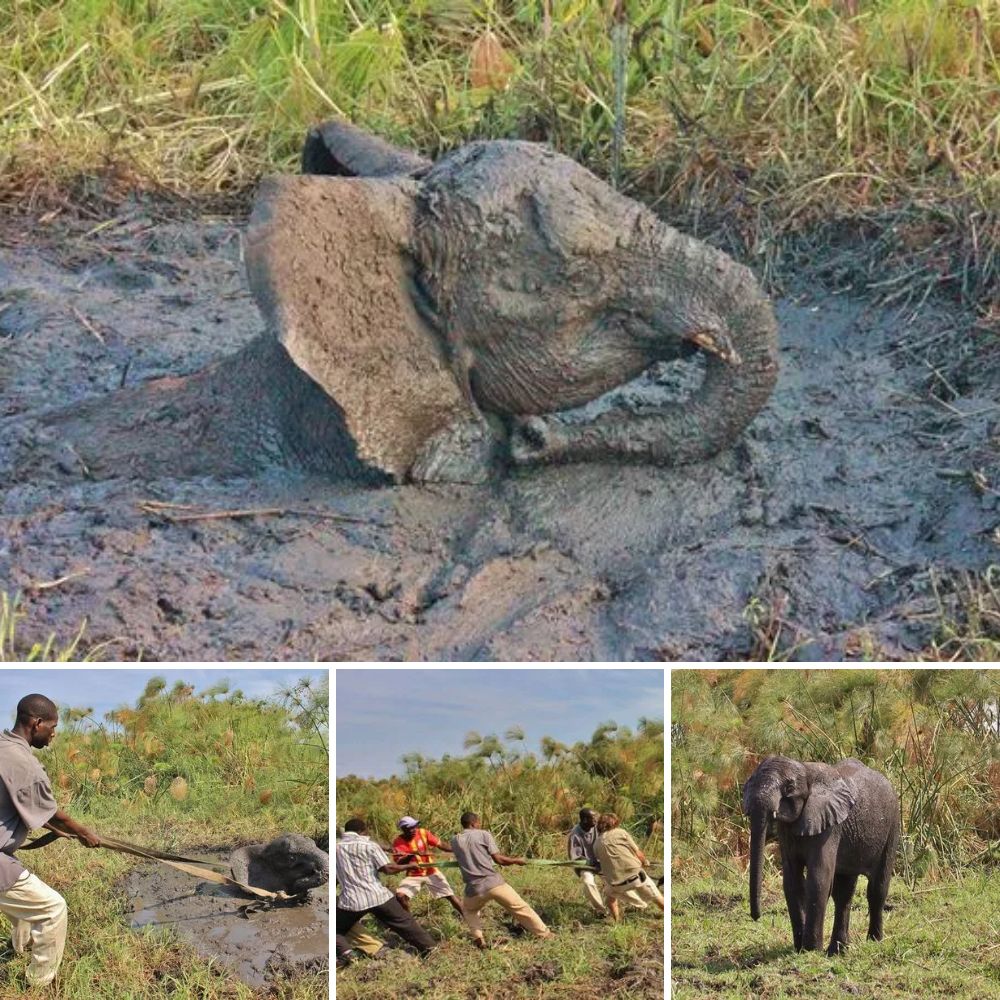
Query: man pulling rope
point(36, 911)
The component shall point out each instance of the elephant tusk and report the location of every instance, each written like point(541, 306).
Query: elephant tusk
point(708, 340)
point(774, 815)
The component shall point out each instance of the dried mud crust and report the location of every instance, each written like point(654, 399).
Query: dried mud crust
point(875, 463)
point(263, 946)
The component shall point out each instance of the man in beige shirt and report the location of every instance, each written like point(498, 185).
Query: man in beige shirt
point(621, 865)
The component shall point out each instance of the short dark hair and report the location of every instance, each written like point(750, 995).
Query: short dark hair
point(468, 819)
point(587, 811)
point(36, 706)
point(356, 825)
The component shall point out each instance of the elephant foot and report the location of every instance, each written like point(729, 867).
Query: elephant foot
point(538, 441)
point(464, 451)
point(836, 948)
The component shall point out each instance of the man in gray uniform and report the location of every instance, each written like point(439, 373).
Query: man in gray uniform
point(580, 847)
point(37, 912)
point(475, 851)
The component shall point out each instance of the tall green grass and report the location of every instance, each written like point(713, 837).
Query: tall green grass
point(934, 733)
point(215, 765)
point(851, 101)
point(528, 803)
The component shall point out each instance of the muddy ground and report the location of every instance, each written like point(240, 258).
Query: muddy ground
point(873, 474)
point(258, 946)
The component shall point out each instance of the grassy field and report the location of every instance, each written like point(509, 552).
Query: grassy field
point(935, 734)
point(175, 772)
point(529, 804)
point(590, 957)
point(942, 939)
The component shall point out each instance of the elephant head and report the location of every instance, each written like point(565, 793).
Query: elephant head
point(291, 863)
point(492, 290)
point(296, 857)
point(803, 798)
point(551, 289)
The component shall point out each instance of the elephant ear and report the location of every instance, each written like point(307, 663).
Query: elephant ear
point(829, 802)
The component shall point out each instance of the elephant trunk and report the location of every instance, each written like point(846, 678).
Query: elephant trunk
point(714, 305)
point(758, 835)
point(694, 299)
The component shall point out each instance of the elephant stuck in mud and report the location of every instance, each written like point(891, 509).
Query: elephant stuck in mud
point(832, 823)
point(291, 863)
point(435, 321)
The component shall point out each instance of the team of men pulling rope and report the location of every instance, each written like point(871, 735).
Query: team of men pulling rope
point(596, 845)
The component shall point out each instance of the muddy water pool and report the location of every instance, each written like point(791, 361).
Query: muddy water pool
point(258, 947)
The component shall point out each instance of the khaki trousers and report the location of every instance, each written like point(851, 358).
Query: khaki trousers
point(38, 915)
point(592, 893)
point(511, 902)
point(362, 941)
point(645, 888)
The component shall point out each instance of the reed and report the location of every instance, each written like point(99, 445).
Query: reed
point(528, 802)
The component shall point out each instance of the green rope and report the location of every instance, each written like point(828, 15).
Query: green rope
point(537, 862)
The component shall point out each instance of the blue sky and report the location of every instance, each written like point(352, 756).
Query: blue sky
point(382, 714)
point(105, 689)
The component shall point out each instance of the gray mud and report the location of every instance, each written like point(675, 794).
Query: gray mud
point(874, 468)
point(265, 945)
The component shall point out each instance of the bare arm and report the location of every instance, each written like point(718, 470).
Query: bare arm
point(393, 869)
point(63, 823)
point(504, 861)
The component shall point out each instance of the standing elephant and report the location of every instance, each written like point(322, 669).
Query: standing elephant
point(834, 822)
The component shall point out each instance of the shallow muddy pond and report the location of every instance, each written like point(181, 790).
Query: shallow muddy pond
point(258, 947)
point(870, 475)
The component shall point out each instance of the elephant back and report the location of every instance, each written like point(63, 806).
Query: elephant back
point(872, 826)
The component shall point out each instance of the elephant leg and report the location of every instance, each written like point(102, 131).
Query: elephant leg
point(464, 451)
point(843, 893)
point(793, 882)
point(878, 890)
point(819, 882)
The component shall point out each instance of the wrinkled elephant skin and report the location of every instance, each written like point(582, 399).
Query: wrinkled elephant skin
point(291, 863)
point(833, 823)
point(451, 309)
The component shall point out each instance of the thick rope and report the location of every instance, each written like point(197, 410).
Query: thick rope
point(190, 866)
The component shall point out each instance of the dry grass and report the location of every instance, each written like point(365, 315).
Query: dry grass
point(759, 121)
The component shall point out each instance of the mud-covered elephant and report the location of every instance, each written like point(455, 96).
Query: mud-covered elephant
point(547, 289)
point(833, 822)
point(435, 321)
point(291, 863)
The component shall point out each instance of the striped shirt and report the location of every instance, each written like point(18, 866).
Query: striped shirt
point(358, 862)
